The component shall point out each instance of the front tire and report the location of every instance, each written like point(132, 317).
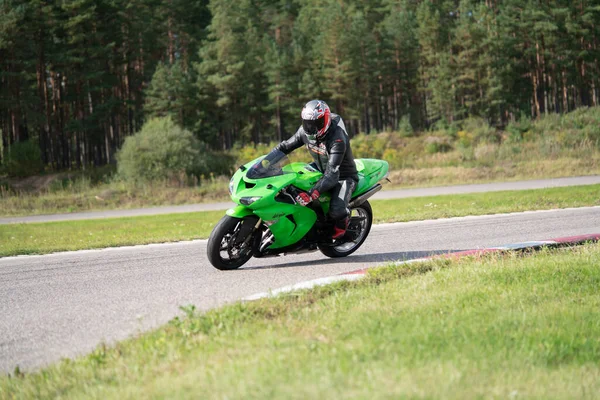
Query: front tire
point(227, 251)
point(361, 219)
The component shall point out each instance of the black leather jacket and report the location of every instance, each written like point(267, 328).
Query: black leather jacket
point(333, 156)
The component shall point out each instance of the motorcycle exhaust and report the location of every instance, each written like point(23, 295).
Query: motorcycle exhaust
point(365, 196)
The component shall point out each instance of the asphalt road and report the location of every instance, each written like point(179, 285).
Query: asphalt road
point(65, 304)
point(384, 194)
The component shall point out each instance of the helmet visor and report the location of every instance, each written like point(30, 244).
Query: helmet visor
point(313, 126)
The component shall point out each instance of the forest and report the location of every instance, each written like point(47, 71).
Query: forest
point(79, 76)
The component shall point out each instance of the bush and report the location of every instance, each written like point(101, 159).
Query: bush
point(23, 159)
point(480, 130)
point(517, 130)
point(250, 152)
point(436, 144)
point(405, 127)
point(486, 154)
point(464, 138)
point(161, 150)
point(212, 164)
point(466, 153)
point(582, 125)
point(579, 128)
point(372, 145)
point(449, 129)
point(545, 125)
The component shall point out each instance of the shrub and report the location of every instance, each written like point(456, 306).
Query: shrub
point(582, 125)
point(161, 150)
point(486, 154)
point(23, 159)
point(516, 131)
point(395, 158)
point(510, 151)
point(464, 138)
point(547, 124)
point(579, 128)
point(372, 145)
point(211, 163)
point(435, 144)
point(480, 130)
point(244, 154)
point(405, 128)
point(466, 152)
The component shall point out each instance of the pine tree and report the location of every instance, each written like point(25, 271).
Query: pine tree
point(172, 93)
point(15, 53)
point(231, 70)
point(280, 69)
point(436, 22)
point(400, 31)
point(478, 82)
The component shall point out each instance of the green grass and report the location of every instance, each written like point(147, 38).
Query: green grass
point(500, 326)
point(50, 237)
point(92, 234)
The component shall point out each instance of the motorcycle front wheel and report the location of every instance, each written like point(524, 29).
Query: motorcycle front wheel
point(230, 243)
point(361, 219)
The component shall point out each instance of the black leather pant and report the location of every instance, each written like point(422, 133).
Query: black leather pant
point(340, 197)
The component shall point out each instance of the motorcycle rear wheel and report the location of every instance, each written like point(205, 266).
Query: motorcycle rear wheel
point(225, 250)
point(361, 219)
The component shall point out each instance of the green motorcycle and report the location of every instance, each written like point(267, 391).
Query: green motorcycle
point(268, 222)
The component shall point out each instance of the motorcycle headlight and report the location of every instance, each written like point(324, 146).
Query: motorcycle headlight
point(231, 186)
point(249, 200)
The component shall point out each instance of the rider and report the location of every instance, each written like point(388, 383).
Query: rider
point(325, 137)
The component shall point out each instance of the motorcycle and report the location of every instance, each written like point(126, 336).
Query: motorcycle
point(268, 222)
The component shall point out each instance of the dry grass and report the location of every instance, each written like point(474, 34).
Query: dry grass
point(502, 172)
point(117, 195)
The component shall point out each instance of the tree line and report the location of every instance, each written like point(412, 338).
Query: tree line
point(78, 76)
point(73, 72)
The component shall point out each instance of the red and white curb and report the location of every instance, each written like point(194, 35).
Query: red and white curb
point(359, 274)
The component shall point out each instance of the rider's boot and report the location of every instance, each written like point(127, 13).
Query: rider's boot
point(339, 230)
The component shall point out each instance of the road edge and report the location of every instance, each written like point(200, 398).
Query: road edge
point(359, 274)
point(382, 224)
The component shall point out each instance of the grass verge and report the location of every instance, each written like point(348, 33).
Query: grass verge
point(50, 237)
point(499, 326)
point(82, 196)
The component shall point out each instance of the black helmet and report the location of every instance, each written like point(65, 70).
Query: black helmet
point(316, 118)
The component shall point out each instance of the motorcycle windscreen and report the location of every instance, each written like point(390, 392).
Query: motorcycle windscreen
point(271, 165)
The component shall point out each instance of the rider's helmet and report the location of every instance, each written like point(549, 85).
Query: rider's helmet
point(316, 118)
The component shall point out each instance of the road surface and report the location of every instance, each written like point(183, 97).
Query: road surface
point(65, 304)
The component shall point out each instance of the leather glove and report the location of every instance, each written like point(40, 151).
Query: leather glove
point(305, 198)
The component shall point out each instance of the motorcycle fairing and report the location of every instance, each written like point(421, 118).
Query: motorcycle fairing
point(289, 222)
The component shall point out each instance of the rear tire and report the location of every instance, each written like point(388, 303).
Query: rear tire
point(224, 250)
point(362, 227)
